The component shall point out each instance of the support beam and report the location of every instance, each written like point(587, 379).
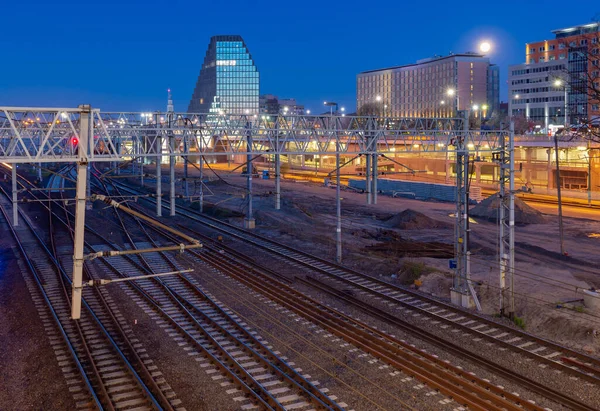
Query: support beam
point(15, 204)
point(507, 220)
point(159, 177)
point(368, 174)
point(338, 230)
point(461, 292)
point(172, 175)
point(96, 283)
point(375, 176)
point(186, 188)
point(80, 206)
point(277, 170)
point(559, 195)
point(201, 166)
point(249, 220)
point(88, 191)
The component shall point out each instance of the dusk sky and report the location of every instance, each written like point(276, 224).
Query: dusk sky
point(123, 55)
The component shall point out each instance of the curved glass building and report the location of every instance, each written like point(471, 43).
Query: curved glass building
point(229, 81)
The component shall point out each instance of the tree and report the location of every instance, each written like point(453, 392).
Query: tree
point(582, 77)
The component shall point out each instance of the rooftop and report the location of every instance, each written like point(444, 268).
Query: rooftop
point(427, 60)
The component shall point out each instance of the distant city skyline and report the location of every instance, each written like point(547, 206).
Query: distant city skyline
point(124, 56)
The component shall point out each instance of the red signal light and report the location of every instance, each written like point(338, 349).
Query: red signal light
point(74, 141)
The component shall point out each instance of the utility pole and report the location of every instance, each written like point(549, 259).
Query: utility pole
point(158, 174)
point(249, 220)
point(15, 204)
point(559, 196)
point(589, 182)
point(185, 166)
point(80, 206)
point(277, 167)
point(338, 199)
point(171, 123)
point(507, 218)
point(462, 292)
point(172, 174)
point(201, 166)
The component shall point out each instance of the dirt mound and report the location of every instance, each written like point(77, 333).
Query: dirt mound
point(524, 214)
point(413, 220)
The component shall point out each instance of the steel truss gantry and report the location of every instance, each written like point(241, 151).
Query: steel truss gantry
point(32, 135)
point(83, 135)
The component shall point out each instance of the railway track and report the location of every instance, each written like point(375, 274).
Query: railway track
point(545, 352)
point(210, 331)
point(462, 386)
point(110, 378)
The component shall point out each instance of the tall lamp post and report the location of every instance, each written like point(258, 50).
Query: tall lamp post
point(331, 104)
point(559, 83)
point(452, 93)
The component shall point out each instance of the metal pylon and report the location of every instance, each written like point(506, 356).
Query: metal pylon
point(462, 291)
point(507, 219)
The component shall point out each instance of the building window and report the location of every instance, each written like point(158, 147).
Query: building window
point(531, 50)
point(552, 58)
point(561, 56)
point(541, 49)
point(551, 47)
point(561, 46)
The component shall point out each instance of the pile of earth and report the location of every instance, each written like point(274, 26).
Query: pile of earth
point(413, 220)
point(524, 214)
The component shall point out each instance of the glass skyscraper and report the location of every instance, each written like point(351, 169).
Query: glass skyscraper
point(229, 81)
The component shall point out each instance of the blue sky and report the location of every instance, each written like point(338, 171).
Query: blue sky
point(123, 55)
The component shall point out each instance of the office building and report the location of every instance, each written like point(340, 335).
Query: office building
point(272, 105)
point(229, 80)
point(566, 65)
point(422, 89)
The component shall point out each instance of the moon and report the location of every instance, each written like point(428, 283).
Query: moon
point(485, 47)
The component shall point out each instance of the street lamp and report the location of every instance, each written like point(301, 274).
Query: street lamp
point(561, 83)
point(558, 83)
point(379, 100)
point(451, 93)
point(307, 111)
point(331, 104)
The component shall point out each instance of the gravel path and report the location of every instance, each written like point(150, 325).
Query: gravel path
point(29, 371)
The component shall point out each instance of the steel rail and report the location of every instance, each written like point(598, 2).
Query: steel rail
point(275, 247)
point(65, 282)
point(267, 357)
point(446, 345)
point(424, 335)
point(148, 380)
point(53, 312)
point(467, 389)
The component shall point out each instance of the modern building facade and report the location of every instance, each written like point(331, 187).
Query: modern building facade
point(564, 66)
point(229, 81)
point(422, 89)
point(532, 92)
point(272, 105)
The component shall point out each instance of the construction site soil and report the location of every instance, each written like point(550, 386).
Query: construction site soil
point(392, 240)
point(389, 240)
